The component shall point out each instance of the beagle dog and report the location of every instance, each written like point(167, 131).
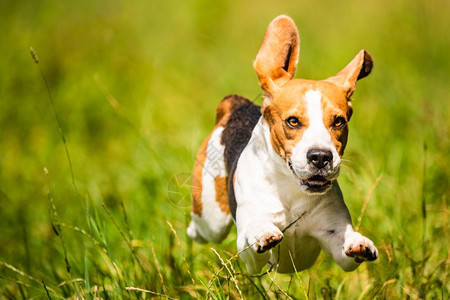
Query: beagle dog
point(273, 170)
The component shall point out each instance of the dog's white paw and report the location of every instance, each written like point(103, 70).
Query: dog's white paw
point(266, 238)
point(360, 249)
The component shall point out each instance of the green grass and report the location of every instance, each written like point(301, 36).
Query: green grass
point(135, 86)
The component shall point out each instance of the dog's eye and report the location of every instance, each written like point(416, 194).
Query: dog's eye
point(339, 122)
point(293, 122)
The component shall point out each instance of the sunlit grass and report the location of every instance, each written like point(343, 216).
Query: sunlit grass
point(135, 87)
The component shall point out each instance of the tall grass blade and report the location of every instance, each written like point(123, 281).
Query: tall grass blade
point(86, 275)
point(182, 254)
point(46, 290)
point(232, 273)
point(366, 201)
point(424, 202)
point(58, 121)
point(297, 275)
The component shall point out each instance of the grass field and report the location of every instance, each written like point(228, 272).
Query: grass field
point(94, 197)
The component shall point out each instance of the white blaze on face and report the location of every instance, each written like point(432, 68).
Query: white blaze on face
point(316, 136)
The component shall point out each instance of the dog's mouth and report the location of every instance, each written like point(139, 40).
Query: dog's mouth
point(315, 184)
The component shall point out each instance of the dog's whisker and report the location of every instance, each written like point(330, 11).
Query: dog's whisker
point(347, 160)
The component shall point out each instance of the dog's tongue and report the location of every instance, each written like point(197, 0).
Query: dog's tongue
point(316, 181)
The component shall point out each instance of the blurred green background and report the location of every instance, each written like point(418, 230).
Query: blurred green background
point(135, 85)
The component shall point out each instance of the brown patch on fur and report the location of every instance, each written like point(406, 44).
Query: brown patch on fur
point(197, 186)
point(287, 102)
point(221, 188)
point(226, 107)
point(335, 104)
point(277, 58)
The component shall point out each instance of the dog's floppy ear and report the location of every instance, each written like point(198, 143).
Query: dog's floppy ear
point(358, 68)
point(277, 58)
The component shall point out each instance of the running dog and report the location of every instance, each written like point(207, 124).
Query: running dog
point(273, 169)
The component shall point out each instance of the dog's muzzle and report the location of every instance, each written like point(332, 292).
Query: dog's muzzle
point(319, 171)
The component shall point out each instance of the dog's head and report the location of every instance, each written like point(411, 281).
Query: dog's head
point(308, 119)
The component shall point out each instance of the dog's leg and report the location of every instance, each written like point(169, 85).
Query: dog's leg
point(358, 247)
point(256, 240)
point(211, 217)
point(348, 247)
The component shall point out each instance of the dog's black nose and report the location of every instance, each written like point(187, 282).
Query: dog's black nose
point(319, 158)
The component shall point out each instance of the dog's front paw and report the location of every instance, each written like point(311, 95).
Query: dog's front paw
point(361, 249)
point(266, 239)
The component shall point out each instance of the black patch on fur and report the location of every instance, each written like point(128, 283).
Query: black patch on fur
point(366, 67)
point(235, 136)
point(288, 58)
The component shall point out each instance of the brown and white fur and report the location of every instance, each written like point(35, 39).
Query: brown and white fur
point(273, 169)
